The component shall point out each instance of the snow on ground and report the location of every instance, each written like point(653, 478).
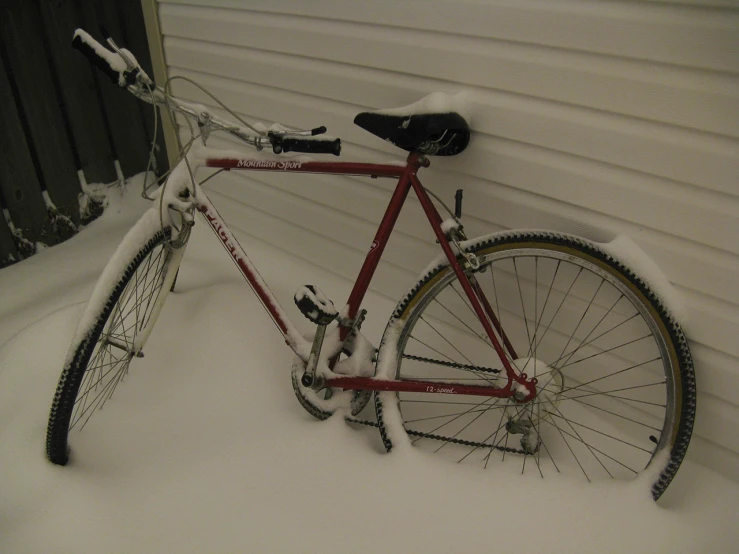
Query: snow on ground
point(204, 448)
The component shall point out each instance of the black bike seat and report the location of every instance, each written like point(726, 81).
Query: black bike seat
point(437, 133)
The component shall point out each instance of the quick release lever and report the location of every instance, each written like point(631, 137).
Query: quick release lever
point(458, 204)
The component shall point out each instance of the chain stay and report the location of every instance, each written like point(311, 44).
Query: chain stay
point(439, 437)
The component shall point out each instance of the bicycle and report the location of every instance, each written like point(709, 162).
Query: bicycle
point(523, 345)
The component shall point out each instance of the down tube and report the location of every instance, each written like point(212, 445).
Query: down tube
point(250, 273)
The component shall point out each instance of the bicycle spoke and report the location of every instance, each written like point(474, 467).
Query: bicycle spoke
point(583, 344)
point(571, 422)
point(606, 351)
point(480, 373)
point(98, 399)
point(483, 338)
point(455, 435)
point(582, 318)
point(619, 372)
point(546, 301)
point(635, 472)
point(485, 440)
point(458, 416)
point(556, 312)
point(572, 451)
point(632, 420)
point(585, 340)
point(447, 341)
point(604, 364)
point(610, 395)
point(523, 307)
point(110, 361)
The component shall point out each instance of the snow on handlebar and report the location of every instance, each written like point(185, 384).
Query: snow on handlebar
point(121, 66)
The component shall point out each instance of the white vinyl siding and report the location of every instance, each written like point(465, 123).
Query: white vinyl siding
point(590, 117)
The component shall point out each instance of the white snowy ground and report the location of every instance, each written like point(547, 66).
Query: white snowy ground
point(204, 448)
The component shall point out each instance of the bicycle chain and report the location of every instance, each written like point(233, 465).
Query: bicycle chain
point(441, 438)
point(451, 364)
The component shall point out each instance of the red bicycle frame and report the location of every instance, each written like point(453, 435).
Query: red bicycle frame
point(407, 179)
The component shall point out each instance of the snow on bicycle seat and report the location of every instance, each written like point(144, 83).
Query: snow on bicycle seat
point(431, 126)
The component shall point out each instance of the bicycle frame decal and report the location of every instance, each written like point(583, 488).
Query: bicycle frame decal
point(336, 168)
point(260, 288)
point(267, 164)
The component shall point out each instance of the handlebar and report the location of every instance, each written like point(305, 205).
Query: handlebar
point(123, 69)
point(308, 146)
point(94, 58)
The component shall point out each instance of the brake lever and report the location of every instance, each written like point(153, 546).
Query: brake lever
point(291, 133)
point(133, 71)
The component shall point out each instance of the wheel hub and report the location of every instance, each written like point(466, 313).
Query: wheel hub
point(549, 387)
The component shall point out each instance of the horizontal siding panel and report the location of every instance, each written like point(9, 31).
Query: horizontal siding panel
point(700, 159)
point(636, 198)
point(642, 200)
point(302, 242)
point(716, 372)
point(334, 227)
point(718, 456)
point(717, 420)
point(713, 323)
point(697, 3)
point(667, 34)
point(704, 101)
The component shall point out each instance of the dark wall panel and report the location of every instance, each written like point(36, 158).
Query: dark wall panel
point(79, 92)
point(39, 104)
point(62, 119)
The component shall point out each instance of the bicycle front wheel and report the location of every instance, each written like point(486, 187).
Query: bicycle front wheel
point(615, 376)
point(114, 328)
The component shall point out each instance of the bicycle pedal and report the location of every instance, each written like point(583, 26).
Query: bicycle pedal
point(314, 305)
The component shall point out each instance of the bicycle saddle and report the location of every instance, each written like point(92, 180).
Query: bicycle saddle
point(440, 133)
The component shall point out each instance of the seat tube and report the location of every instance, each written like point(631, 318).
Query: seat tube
point(380, 241)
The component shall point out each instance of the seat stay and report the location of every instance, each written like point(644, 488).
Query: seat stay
point(516, 381)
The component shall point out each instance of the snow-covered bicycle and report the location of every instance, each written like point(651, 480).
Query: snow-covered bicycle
point(526, 347)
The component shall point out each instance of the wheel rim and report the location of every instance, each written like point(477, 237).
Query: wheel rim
point(606, 398)
point(123, 336)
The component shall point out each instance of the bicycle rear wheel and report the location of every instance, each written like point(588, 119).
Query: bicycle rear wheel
point(113, 329)
point(615, 377)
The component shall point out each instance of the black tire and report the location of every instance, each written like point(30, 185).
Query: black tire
point(112, 340)
point(616, 380)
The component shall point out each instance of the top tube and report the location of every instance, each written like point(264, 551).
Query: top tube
point(297, 166)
